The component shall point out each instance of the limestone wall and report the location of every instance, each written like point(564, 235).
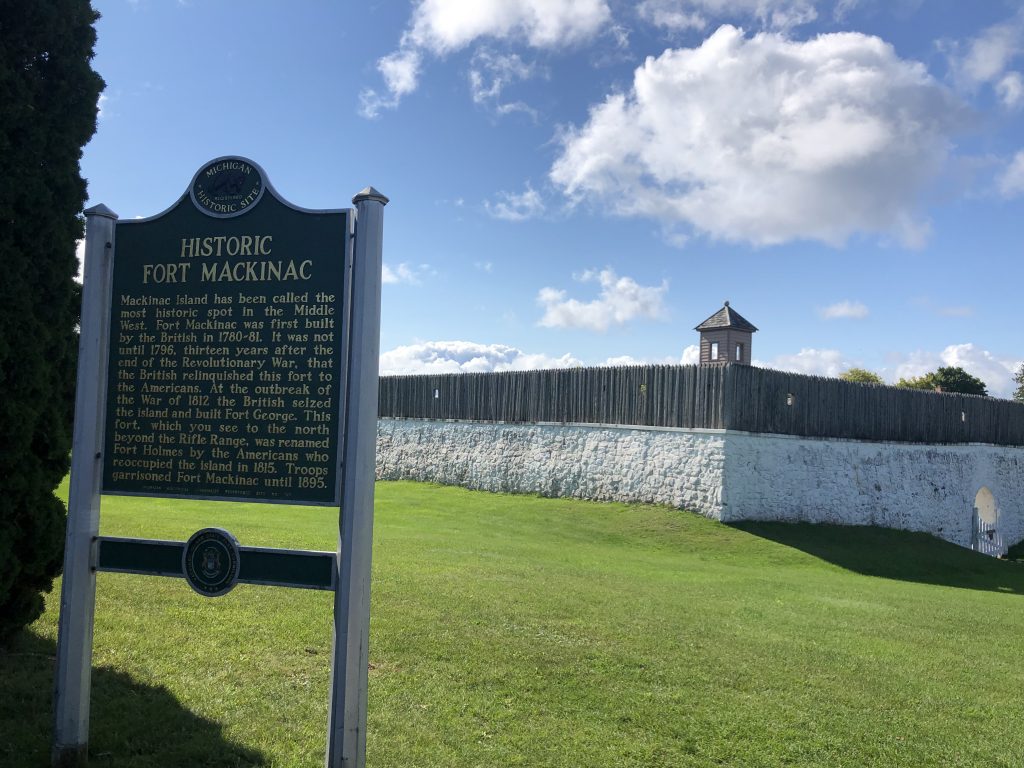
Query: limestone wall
point(722, 474)
point(928, 488)
point(680, 468)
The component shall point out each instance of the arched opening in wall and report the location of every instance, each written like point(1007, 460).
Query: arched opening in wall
point(985, 518)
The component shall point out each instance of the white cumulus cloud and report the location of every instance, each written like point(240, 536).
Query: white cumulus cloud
point(671, 14)
point(813, 362)
point(443, 26)
point(440, 27)
point(844, 309)
point(698, 14)
point(512, 206)
point(913, 364)
point(401, 73)
point(768, 140)
point(620, 300)
point(410, 274)
point(690, 356)
point(621, 361)
point(1011, 181)
point(997, 372)
point(1010, 90)
point(466, 357)
point(986, 58)
point(490, 73)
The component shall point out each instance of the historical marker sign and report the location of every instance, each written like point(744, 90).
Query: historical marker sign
point(228, 351)
point(226, 334)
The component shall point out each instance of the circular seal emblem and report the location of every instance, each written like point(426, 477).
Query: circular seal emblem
point(227, 186)
point(211, 561)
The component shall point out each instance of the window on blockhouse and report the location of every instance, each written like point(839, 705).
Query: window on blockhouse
point(739, 353)
point(714, 350)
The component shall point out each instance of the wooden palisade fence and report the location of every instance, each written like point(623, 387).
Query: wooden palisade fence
point(736, 397)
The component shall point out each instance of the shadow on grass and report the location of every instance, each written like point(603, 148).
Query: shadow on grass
point(132, 724)
point(894, 554)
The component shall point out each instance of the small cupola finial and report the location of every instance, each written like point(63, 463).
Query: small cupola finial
point(727, 302)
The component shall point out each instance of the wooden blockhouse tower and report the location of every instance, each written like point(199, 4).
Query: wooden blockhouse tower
point(725, 338)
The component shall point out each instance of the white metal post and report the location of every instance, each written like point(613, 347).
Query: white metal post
point(346, 735)
point(78, 591)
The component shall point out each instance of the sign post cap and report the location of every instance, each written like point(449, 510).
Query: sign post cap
point(100, 210)
point(370, 194)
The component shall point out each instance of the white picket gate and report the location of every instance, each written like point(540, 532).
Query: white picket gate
point(986, 539)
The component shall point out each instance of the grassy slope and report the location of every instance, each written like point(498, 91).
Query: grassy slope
point(525, 631)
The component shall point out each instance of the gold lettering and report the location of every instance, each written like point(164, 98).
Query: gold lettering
point(189, 247)
point(256, 271)
point(242, 245)
point(165, 273)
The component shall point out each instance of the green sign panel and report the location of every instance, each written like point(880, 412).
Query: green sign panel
point(228, 332)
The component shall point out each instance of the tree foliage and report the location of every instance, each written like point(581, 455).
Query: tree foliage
point(48, 97)
point(1018, 378)
point(861, 376)
point(949, 379)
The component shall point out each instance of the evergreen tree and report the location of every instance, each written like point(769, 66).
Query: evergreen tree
point(1018, 378)
point(950, 379)
point(48, 97)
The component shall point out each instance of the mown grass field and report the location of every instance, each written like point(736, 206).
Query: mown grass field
point(511, 630)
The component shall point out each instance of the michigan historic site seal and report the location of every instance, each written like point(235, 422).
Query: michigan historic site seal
point(227, 186)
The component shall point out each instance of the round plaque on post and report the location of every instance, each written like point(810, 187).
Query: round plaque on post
point(211, 562)
point(227, 187)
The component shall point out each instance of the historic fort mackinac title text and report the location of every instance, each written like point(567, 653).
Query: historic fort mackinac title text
point(259, 269)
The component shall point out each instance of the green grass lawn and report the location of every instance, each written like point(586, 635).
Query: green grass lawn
point(512, 630)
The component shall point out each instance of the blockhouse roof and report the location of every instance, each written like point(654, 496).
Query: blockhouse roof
point(726, 317)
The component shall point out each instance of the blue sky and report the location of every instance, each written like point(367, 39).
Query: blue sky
point(584, 181)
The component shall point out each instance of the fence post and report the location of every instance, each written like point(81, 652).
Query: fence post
point(73, 672)
point(346, 738)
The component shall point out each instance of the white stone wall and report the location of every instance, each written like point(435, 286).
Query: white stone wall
point(680, 468)
point(724, 475)
point(894, 485)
